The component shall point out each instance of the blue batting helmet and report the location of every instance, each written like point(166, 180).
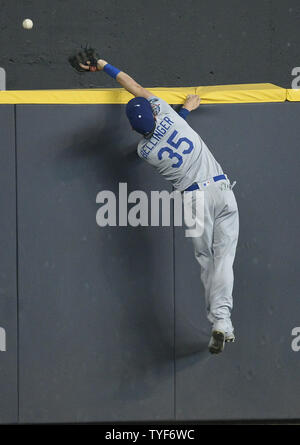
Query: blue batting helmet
point(140, 115)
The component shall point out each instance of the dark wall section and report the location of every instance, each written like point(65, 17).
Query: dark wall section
point(160, 43)
point(96, 304)
point(257, 377)
point(97, 339)
point(8, 290)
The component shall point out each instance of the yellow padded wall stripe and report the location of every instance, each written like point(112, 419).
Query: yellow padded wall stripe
point(89, 96)
point(209, 94)
point(247, 93)
point(293, 95)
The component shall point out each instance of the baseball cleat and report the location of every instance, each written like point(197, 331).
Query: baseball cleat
point(216, 342)
point(229, 337)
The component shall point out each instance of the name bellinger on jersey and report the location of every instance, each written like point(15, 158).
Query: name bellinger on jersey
point(176, 150)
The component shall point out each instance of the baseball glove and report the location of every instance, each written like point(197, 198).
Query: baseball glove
point(86, 56)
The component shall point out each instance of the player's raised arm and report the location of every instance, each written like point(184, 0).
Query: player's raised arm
point(124, 79)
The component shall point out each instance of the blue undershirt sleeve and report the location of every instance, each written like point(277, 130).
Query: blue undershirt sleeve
point(183, 112)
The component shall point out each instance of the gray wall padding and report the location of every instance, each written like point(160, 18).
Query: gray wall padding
point(8, 288)
point(112, 320)
point(96, 315)
point(257, 377)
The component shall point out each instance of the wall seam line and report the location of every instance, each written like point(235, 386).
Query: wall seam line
point(17, 268)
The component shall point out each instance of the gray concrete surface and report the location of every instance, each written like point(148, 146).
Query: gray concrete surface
point(160, 43)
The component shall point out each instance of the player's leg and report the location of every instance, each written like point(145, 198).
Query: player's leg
point(225, 237)
point(204, 254)
point(203, 246)
point(214, 251)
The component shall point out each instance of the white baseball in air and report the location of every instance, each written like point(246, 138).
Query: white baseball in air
point(27, 24)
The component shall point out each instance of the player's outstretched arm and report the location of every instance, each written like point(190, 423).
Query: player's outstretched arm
point(132, 86)
point(124, 79)
point(91, 63)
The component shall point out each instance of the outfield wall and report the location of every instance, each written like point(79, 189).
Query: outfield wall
point(108, 324)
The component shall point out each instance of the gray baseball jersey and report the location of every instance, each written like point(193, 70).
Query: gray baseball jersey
point(176, 150)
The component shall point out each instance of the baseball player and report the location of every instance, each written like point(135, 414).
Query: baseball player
point(171, 146)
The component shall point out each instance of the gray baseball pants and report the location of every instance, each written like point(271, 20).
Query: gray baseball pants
point(215, 249)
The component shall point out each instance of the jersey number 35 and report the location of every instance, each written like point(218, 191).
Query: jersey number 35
point(171, 153)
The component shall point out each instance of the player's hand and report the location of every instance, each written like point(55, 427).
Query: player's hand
point(100, 65)
point(192, 102)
